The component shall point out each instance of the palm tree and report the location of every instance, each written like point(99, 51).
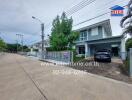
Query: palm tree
point(126, 21)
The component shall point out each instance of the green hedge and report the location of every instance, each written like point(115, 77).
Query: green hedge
point(76, 59)
point(126, 67)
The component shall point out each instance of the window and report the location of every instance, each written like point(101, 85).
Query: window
point(94, 32)
point(83, 35)
point(100, 30)
point(81, 50)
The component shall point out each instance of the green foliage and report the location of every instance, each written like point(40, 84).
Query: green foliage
point(12, 47)
point(62, 34)
point(25, 48)
point(17, 47)
point(126, 21)
point(126, 67)
point(2, 45)
point(128, 44)
point(36, 50)
point(75, 58)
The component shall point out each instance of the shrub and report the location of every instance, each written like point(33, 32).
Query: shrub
point(128, 44)
point(75, 58)
point(126, 67)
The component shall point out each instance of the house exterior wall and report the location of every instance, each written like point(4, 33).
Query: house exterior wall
point(123, 50)
point(93, 34)
point(99, 36)
point(90, 49)
point(108, 43)
point(105, 34)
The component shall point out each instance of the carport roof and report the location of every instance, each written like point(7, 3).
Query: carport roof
point(113, 39)
point(106, 40)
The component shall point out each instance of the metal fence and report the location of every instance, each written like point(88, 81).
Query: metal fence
point(130, 56)
point(63, 56)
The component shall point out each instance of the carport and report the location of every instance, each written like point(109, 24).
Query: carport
point(115, 44)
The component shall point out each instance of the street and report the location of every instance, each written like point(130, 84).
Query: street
point(23, 78)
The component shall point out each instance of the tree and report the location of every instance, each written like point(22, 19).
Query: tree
point(128, 44)
point(62, 35)
point(25, 48)
point(2, 45)
point(126, 21)
point(12, 47)
point(17, 47)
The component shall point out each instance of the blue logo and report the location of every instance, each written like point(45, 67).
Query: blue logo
point(117, 11)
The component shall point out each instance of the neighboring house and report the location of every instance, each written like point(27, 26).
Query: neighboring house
point(99, 36)
point(38, 45)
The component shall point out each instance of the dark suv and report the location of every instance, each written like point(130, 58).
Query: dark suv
point(102, 55)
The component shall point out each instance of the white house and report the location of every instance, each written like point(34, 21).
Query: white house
point(99, 36)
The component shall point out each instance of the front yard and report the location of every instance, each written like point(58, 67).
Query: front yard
point(114, 70)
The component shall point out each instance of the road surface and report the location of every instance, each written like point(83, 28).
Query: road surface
point(23, 78)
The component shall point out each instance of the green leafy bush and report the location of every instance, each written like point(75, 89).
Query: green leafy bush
point(2, 45)
point(128, 44)
point(75, 58)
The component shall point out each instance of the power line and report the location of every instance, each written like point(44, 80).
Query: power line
point(4, 38)
point(83, 2)
point(103, 6)
point(34, 41)
point(79, 6)
point(93, 18)
point(76, 8)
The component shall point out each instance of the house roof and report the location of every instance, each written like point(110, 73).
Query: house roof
point(105, 23)
point(116, 7)
point(94, 25)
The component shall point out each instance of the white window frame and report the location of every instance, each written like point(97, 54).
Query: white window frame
point(94, 31)
point(82, 36)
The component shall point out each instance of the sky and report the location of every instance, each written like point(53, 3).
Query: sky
point(16, 17)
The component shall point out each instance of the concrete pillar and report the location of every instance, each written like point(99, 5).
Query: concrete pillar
point(87, 50)
point(77, 49)
point(130, 62)
point(123, 50)
point(39, 50)
point(31, 50)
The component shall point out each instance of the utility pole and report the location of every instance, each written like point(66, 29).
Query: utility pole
point(42, 28)
point(17, 45)
point(0, 36)
point(42, 36)
point(21, 36)
point(22, 42)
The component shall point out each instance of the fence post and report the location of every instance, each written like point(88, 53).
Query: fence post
point(130, 62)
point(71, 56)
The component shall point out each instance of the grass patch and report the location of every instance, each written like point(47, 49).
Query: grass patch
point(76, 59)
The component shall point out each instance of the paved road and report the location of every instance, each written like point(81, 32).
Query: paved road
point(23, 78)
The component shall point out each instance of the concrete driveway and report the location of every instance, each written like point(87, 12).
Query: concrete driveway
point(23, 78)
